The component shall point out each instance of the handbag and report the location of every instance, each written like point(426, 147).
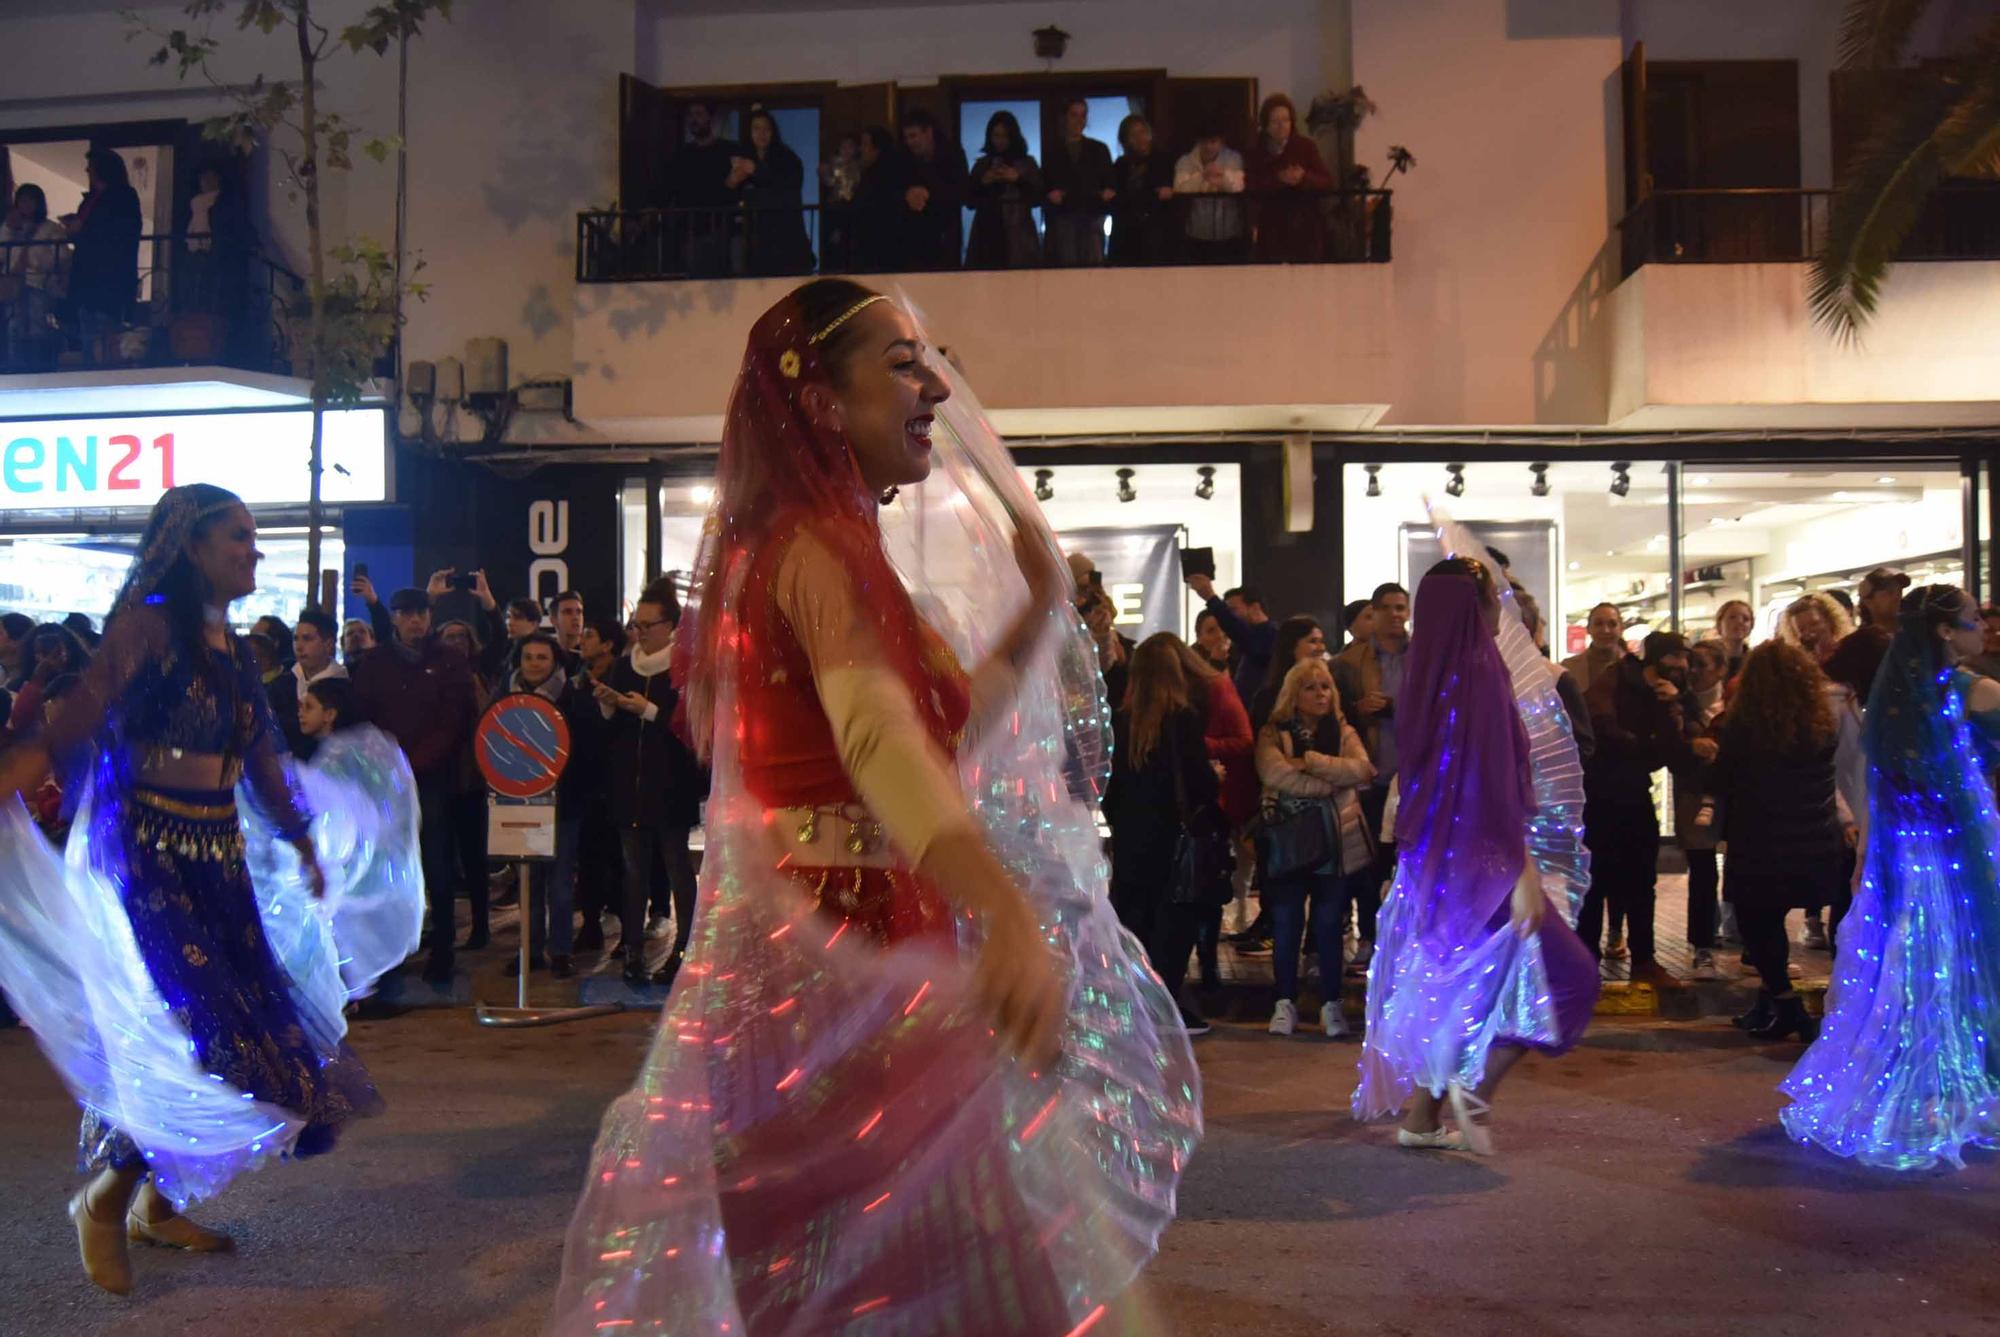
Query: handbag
point(1204, 857)
point(1294, 837)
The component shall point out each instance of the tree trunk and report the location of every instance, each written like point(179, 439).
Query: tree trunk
point(316, 294)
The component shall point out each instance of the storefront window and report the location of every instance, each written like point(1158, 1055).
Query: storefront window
point(50, 576)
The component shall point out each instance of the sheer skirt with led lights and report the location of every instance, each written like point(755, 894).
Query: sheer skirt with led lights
point(1904, 1075)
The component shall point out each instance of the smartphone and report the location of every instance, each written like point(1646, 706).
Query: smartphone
point(465, 581)
point(361, 570)
point(1198, 562)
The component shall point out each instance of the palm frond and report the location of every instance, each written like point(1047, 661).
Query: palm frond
point(1875, 33)
point(1888, 184)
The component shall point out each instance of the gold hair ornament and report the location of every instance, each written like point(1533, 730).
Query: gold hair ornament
point(827, 331)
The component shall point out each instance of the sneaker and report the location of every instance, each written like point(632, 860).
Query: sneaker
point(1363, 954)
point(658, 927)
point(1332, 1021)
point(1615, 949)
point(1704, 965)
point(1794, 971)
point(1725, 935)
point(1193, 1022)
point(1815, 938)
point(1284, 1017)
point(1654, 974)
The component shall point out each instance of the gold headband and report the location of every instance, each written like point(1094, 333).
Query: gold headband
point(844, 317)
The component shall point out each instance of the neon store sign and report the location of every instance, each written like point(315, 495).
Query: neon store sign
point(116, 463)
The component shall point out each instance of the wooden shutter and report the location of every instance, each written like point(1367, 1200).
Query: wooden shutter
point(851, 108)
point(649, 129)
point(1638, 167)
point(1187, 105)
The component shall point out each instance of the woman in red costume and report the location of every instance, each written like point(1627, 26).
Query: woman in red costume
point(916, 1079)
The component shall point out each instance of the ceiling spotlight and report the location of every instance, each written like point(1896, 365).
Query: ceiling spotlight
point(1043, 492)
point(1701, 480)
point(1540, 488)
point(1206, 487)
point(1374, 480)
point(1456, 487)
point(1126, 492)
point(1621, 479)
point(701, 494)
point(1886, 479)
point(1576, 566)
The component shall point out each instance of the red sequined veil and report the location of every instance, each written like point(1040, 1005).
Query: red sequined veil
point(825, 1137)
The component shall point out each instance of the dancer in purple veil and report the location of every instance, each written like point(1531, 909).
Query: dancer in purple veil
point(1476, 962)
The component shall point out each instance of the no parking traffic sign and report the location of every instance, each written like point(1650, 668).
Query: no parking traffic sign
point(522, 745)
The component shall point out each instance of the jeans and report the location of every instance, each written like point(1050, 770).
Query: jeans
point(1704, 879)
point(468, 823)
point(1624, 869)
point(645, 847)
point(440, 864)
point(552, 914)
point(1073, 239)
point(1322, 898)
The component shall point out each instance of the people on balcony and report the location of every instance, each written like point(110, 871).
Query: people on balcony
point(839, 181)
point(33, 255)
point(773, 201)
point(879, 204)
point(1080, 189)
point(1006, 186)
point(935, 198)
point(1215, 229)
point(705, 177)
point(105, 229)
point(1287, 180)
point(1143, 230)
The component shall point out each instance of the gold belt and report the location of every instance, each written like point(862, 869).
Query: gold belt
point(840, 835)
point(193, 812)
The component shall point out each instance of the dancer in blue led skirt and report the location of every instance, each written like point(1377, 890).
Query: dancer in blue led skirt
point(184, 962)
point(1903, 1075)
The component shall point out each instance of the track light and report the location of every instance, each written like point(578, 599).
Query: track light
point(1456, 487)
point(1374, 480)
point(1126, 492)
point(1043, 492)
point(1621, 479)
point(1206, 487)
point(1540, 488)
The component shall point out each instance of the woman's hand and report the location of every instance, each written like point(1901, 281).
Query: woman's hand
point(1047, 576)
point(309, 868)
point(1015, 980)
point(1529, 900)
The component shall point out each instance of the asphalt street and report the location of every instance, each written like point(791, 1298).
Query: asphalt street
point(1643, 1187)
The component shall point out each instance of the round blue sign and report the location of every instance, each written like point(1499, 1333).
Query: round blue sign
point(522, 745)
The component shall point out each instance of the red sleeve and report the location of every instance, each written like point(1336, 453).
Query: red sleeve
point(1227, 730)
point(1260, 168)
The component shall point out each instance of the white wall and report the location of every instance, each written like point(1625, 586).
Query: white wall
point(1509, 108)
point(1281, 42)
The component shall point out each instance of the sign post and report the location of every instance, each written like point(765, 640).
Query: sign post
point(522, 746)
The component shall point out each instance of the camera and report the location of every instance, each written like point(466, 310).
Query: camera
point(465, 580)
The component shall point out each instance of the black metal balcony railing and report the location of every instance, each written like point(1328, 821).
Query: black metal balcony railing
point(638, 245)
point(1775, 226)
point(192, 300)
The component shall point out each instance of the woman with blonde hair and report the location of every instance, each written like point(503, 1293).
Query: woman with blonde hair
point(1313, 765)
point(1817, 623)
point(1160, 778)
point(1773, 782)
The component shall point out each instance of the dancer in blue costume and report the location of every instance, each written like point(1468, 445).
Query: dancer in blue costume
point(1904, 1075)
point(196, 1016)
point(1475, 962)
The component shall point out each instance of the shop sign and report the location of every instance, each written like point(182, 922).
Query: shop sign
point(105, 463)
point(1141, 572)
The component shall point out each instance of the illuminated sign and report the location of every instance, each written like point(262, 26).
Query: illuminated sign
point(90, 463)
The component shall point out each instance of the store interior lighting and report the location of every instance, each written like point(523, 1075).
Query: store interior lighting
point(1621, 479)
point(1043, 492)
point(1374, 480)
point(1126, 492)
point(1455, 486)
point(1540, 487)
point(1205, 489)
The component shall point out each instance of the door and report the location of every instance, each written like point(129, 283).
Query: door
point(1718, 126)
point(1187, 107)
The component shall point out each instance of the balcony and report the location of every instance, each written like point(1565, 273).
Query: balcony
point(205, 325)
point(1105, 351)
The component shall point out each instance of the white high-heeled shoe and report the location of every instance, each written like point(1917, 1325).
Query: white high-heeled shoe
point(1470, 1113)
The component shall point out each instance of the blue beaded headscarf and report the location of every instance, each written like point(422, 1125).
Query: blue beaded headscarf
point(176, 518)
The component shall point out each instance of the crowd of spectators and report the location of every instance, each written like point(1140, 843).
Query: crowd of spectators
point(1263, 718)
point(898, 201)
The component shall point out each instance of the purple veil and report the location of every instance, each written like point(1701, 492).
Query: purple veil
point(1467, 790)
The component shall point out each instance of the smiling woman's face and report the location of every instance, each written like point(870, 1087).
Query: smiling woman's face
point(886, 388)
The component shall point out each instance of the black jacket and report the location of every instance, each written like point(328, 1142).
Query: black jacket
point(935, 233)
point(1144, 228)
point(1636, 734)
point(1141, 804)
point(654, 777)
point(1777, 811)
point(1082, 179)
